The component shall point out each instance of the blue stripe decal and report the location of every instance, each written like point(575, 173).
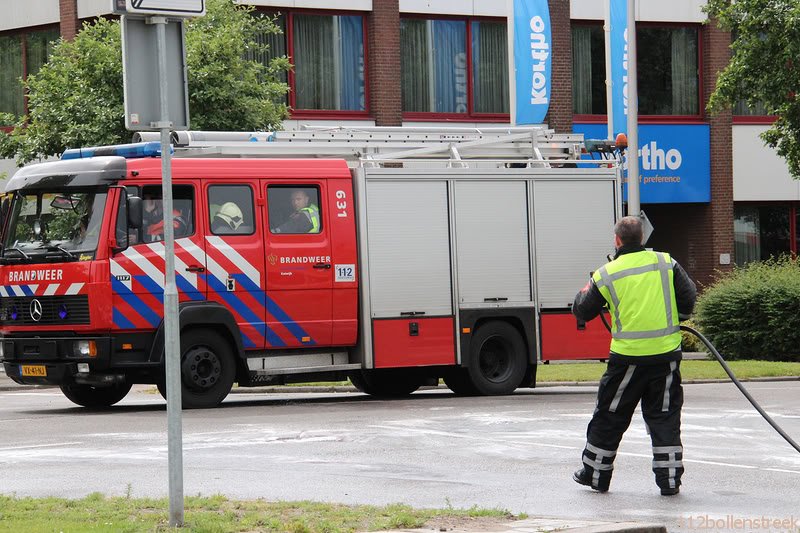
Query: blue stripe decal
point(240, 307)
point(121, 321)
point(272, 338)
point(188, 289)
point(27, 290)
point(135, 302)
point(151, 287)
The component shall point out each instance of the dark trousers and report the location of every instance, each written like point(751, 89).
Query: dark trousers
point(658, 387)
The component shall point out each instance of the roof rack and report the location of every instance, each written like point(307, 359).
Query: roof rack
point(533, 146)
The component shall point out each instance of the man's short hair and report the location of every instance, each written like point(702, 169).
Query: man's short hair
point(629, 231)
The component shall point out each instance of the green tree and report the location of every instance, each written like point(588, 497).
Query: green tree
point(765, 67)
point(76, 98)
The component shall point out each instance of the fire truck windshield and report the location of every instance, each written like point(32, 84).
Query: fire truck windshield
point(53, 226)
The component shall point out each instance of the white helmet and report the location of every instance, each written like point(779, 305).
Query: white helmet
point(230, 213)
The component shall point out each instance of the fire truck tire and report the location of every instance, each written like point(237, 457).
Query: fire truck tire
point(459, 381)
point(208, 370)
point(498, 359)
point(95, 397)
point(385, 383)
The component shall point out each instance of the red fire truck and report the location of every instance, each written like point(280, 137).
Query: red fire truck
point(391, 257)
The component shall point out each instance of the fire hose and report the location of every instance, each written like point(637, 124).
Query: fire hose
point(731, 375)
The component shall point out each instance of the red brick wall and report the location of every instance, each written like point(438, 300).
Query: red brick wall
point(383, 27)
point(69, 18)
point(697, 234)
point(559, 115)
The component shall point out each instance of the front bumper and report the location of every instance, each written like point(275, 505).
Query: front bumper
point(52, 360)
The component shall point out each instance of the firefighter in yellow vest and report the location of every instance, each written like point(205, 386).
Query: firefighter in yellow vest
point(646, 293)
point(304, 217)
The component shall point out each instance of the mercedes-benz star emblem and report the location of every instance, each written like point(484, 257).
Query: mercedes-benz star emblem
point(36, 310)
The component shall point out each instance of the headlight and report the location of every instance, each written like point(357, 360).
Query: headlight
point(86, 348)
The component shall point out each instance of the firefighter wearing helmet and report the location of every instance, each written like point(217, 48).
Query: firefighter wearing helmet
point(228, 219)
point(646, 293)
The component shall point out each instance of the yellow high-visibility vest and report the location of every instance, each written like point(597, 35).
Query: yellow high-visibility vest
point(640, 293)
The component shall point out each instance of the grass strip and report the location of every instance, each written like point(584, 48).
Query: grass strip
point(218, 514)
point(690, 369)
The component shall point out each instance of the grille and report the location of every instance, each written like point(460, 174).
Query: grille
point(76, 307)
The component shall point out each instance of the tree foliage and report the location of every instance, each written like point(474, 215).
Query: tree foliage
point(76, 99)
point(765, 67)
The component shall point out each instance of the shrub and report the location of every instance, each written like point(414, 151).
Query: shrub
point(690, 343)
point(754, 312)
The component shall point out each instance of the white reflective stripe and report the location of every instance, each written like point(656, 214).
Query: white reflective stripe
point(233, 256)
point(192, 249)
point(668, 464)
point(667, 449)
point(597, 465)
point(603, 272)
point(33, 288)
point(3, 291)
point(117, 271)
point(600, 452)
point(17, 290)
point(51, 289)
point(672, 473)
point(216, 270)
point(180, 266)
point(633, 271)
point(146, 266)
point(75, 288)
point(672, 366)
point(651, 334)
point(665, 267)
point(621, 389)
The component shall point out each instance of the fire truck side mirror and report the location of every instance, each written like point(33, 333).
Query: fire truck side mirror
point(134, 212)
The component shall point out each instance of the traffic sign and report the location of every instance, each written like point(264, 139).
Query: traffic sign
point(141, 81)
point(167, 8)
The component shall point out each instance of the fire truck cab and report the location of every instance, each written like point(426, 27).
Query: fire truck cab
point(393, 270)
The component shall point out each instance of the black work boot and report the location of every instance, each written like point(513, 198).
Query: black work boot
point(584, 477)
point(667, 491)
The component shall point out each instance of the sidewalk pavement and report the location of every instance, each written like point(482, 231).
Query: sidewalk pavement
point(543, 525)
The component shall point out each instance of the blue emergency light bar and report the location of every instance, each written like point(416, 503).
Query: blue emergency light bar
point(128, 151)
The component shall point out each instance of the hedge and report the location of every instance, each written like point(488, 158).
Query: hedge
point(754, 312)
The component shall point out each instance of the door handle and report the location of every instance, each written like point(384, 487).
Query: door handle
point(195, 268)
point(326, 266)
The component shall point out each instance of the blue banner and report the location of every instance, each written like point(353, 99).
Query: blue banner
point(619, 66)
point(674, 161)
point(532, 62)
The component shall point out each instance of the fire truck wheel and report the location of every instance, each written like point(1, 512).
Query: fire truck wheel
point(498, 359)
point(95, 397)
point(385, 383)
point(460, 383)
point(207, 370)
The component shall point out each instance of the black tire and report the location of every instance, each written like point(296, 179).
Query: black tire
point(208, 369)
point(386, 383)
point(460, 383)
point(96, 397)
point(498, 360)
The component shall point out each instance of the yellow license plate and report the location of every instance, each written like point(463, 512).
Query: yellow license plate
point(34, 370)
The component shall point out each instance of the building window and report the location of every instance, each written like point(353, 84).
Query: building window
point(762, 232)
point(668, 72)
point(440, 74)
point(327, 54)
point(16, 65)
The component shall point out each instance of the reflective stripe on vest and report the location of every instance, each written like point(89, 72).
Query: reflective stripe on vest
point(312, 212)
point(629, 335)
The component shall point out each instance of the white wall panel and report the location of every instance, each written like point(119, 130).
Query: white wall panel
point(349, 5)
point(93, 8)
point(647, 10)
point(15, 14)
point(758, 172)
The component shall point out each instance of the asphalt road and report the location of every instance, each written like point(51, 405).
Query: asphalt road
point(431, 450)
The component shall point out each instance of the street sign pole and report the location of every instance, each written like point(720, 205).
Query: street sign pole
point(171, 326)
point(634, 206)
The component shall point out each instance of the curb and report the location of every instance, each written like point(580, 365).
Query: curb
point(622, 527)
point(6, 385)
point(541, 525)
